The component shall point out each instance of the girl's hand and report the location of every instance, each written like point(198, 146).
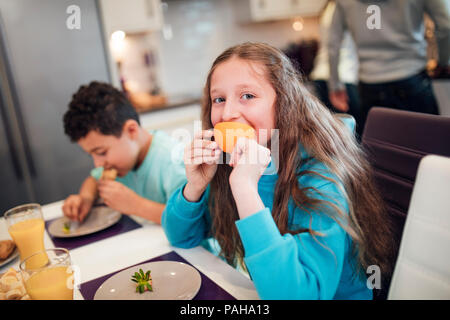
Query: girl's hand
point(200, 159)
point(249, 160)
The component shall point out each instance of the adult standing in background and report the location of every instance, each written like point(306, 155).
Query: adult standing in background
point(391, 45)
point(347, 68)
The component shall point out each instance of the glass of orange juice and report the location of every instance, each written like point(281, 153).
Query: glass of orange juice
point(26, 227)
point(54, 280)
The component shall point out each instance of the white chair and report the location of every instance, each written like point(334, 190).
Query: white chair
point(422, 269)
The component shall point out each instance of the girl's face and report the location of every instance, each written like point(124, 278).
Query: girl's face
point(240, 92)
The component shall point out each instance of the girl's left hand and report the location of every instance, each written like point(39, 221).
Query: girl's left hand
point(249, 160)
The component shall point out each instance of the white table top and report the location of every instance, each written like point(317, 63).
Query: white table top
point(124, 250)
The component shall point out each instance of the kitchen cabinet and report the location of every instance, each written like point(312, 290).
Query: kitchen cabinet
point(268, 10)
point(131, 16)
point(180, 122)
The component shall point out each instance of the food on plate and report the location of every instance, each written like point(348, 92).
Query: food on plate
point(99, 173)
point(6, 248)
point(110, 174)
point(143, 280)
point(70, 226)
point(226, 134)
point(12, 286)
point(66, 227)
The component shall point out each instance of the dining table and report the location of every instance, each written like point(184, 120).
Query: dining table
point(133, 241)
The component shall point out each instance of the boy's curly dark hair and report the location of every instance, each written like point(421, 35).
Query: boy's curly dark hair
point(97, 106)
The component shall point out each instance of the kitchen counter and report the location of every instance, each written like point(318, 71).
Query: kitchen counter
point(174, 118)
point(145, 103)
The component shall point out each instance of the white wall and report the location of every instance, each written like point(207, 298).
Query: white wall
point(202, 29)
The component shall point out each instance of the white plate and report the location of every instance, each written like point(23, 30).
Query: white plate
point(171, 281)
point(11, 257)
point(98, 219)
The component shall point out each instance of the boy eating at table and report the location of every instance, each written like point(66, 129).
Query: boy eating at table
point(105, 125)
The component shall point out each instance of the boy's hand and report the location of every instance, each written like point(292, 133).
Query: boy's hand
point(76, 207)
point(200, 159)
point(118, 197)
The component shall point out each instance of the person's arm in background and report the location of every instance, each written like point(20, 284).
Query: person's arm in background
point(337, 94)
point(438, 11)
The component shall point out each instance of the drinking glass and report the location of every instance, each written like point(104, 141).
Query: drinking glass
point(26, 226)
point(52, 281)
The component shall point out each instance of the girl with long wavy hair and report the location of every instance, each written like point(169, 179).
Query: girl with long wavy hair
point(309, 231)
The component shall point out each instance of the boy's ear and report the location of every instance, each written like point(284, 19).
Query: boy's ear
point(131, 128)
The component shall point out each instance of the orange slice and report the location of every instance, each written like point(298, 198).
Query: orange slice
point(226, 134)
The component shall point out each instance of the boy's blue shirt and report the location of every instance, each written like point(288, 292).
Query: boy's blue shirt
point(161, 172)
point(281, 266)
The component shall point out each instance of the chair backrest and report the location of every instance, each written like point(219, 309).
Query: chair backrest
point(395, 142)
point(422, 270)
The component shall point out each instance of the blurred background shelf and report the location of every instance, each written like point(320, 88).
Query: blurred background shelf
point(145, 102)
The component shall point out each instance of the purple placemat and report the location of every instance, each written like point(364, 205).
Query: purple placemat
point(125, 224)
point(209, 290)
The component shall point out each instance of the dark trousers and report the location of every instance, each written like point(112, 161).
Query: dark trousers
point(411, 94)
point(321, 88)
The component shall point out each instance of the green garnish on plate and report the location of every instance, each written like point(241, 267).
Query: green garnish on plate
point(66, 227)
point(143, 280)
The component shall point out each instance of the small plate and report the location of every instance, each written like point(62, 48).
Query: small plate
point(171, 281)
point(98, 219)
point(11, 257)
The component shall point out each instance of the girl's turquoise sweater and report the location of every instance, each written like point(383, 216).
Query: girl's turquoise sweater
point(286, 266)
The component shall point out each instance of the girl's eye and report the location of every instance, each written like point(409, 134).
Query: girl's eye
point(218, 100)
point(247, 96)
point(101, 153)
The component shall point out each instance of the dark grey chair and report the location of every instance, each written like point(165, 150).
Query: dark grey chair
point(396, 141)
